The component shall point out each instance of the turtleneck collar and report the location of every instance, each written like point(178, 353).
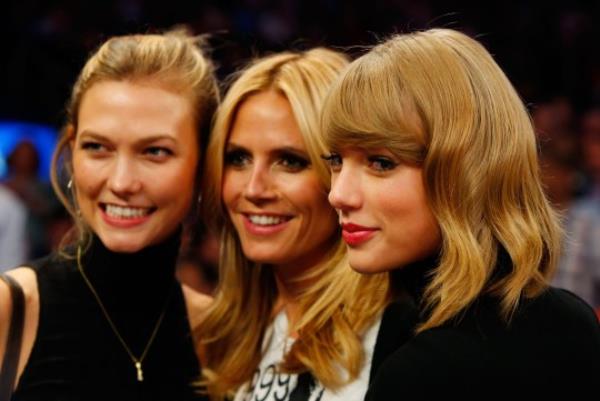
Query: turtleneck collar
point(134, 287)
point(412, 279)
point(131, 279)
point(151, 268)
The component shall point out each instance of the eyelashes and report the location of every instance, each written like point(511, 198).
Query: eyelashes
point(291, 162)
point(237, 158)
point(333, 160)
point(92, 146)
point(381, 163)
point(378, 163)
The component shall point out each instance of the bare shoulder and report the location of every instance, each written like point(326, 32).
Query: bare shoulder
point(27, 279)
point(197, 305)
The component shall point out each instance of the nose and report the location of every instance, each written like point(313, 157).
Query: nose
point(345, 194)
point(124, 180)
point(260, 186)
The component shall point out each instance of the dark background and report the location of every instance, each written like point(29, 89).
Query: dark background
point(548, 49)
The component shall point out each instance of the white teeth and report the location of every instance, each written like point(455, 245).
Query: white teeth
point(262, 220)
point(125, 212)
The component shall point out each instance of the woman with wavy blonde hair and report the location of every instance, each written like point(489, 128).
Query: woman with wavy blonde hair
point(434, 171)
point(105, 318)
point(287, 302)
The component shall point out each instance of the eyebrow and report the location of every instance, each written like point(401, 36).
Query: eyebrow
point(283, 149)
point(143, 141)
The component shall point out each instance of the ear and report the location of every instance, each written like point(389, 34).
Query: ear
point(70, 133)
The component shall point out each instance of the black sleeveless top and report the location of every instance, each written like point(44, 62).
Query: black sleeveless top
point(77, 356)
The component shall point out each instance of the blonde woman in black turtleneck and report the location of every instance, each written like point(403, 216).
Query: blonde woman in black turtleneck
point(105, 318)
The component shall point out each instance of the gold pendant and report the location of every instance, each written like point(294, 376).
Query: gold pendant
point(140, 373)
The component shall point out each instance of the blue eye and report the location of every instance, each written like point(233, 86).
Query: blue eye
point(237, 158)
point(157, 151)
point(92, 146)
point(381, 163)
point(333, 160)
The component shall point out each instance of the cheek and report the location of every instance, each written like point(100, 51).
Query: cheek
point(231, 187)
point(87, 178)
point(175, 184)
point(310, 197)
point(305, 192)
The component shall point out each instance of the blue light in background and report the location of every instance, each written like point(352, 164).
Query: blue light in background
point(43, 137)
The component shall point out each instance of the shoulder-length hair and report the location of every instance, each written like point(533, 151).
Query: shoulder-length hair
point(338, 306)
point(437, 99)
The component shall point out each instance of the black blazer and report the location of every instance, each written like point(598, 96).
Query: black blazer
point(550, 348)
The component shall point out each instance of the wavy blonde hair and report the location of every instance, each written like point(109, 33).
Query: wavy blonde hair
point(339, 306)
point(175, 60)
point(438, 99)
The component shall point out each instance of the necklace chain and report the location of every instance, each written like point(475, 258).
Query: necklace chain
point(137, 362)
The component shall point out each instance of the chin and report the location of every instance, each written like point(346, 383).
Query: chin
point(121, 245)
point(264, 259)
point(367, 265)
point(257, 255)
point(366, 269)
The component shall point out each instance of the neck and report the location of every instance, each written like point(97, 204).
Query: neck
point(288, 297)
point(292, 282)
point(133, 287)
point(132, 280)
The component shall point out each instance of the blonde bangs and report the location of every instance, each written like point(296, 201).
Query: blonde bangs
point(368, 108)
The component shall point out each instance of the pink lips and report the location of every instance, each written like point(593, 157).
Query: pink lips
point(355, 235)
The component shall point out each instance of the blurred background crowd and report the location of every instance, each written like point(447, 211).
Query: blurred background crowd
point(549, 51)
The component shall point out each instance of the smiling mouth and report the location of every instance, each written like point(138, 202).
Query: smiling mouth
point(126, 212)
point(266, 220)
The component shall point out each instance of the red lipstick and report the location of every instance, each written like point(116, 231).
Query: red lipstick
point(355, 235)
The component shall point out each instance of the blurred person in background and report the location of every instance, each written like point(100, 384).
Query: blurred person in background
point(24, 180)
point(559, 151)
point(13, 238)
point(579, 267)
point(199, 262)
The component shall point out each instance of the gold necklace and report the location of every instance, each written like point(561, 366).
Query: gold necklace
point(137, 362)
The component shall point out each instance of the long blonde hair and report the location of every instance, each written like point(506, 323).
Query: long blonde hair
point(438, 99)
point(175, 60)
point(339, 306)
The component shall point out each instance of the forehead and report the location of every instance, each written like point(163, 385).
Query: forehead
point(266, 120)
point(134, 110)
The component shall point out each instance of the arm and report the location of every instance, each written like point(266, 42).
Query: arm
point(28, 281)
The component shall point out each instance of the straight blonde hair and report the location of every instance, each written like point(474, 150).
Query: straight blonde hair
point(437, 99)
point(340, 304)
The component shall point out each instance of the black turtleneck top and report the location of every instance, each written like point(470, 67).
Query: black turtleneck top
point(77, 356)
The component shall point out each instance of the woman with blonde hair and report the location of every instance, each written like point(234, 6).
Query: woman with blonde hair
point(105, 318)
point(434, 172)
point(290, 319)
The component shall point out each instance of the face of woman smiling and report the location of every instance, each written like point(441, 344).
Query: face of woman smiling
point(134, 162)
point(385, 217)
point(273, 196)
